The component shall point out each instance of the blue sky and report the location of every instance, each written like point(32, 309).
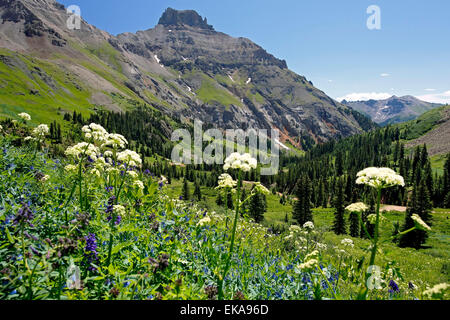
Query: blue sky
point(326, 41)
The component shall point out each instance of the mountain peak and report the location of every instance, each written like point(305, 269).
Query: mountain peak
point(172, 17)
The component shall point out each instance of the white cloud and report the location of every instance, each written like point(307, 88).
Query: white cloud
point(385, 75)
point(363, 96)
point(430, 90)
point(436, 97)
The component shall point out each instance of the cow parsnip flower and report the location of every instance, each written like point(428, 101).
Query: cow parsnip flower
point(24, 116)
point(294, 228)
point(437, 290)
point(244, 162)
point(119, 209)
point(347, 242)
point(308, 265)
point(138, 184)
point(308, 225)
point(204, 221)
point(132, 174)
point(380, 178)
point(95, 132)
point(70, 168)
point(129, 157)
point(226, 181)
point(313, 255)
point(357, 207)
point(373, 217)
point(40, 131)
point(115, 141)
point(259, 188)
point(78, 149)
point(419, 222)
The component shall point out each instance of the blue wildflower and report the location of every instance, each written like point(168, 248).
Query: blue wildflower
point(394, 287)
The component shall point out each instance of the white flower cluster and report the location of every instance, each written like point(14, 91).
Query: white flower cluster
point(119, 209)
point(357, 207)
point(204, 221)
point(244, 162)
point(24, 116)
point(436, 290)
point(419, 222)
point(226, 181)
point(379, 178)
point(163, 180)
point(347, 242)
point(138, 184)
point(130, 158)
point(313, 255)
point(40, 132)
point(308, 265)
point(95, 132)
point(308, 225)
point(259, 188)
point(83, 147)
point(115, 141)
point(372, 218)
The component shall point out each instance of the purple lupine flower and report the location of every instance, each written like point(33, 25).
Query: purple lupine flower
point(90, 251)
point(109, 210)
point(394, 287)
point(24, 215)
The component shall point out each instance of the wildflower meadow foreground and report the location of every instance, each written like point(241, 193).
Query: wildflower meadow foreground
point(91, 223)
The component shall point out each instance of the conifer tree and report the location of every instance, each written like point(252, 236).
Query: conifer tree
point(419, 204)
point(229, 199)
point(197, 191)
point(185, 190)
point(446, 183)
point(339, 209)
point(219, 199)
point(354, 224)
point(302, 209)
point(257, 207)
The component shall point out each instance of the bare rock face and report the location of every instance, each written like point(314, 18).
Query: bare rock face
point(183, 67)
point(191, 18)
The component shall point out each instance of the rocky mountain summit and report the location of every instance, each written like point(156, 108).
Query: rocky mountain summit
point(191, 18)
point(182, 67)
point(392, 110)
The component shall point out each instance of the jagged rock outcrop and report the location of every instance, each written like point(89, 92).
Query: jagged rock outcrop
point(191, 18)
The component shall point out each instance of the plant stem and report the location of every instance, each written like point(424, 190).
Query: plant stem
point(376, 234)
point(328, 283)
point(233, 234)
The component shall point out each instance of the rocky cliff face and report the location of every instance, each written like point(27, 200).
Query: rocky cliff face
point(191, 18)
point(392, 110)
point(182, 66)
